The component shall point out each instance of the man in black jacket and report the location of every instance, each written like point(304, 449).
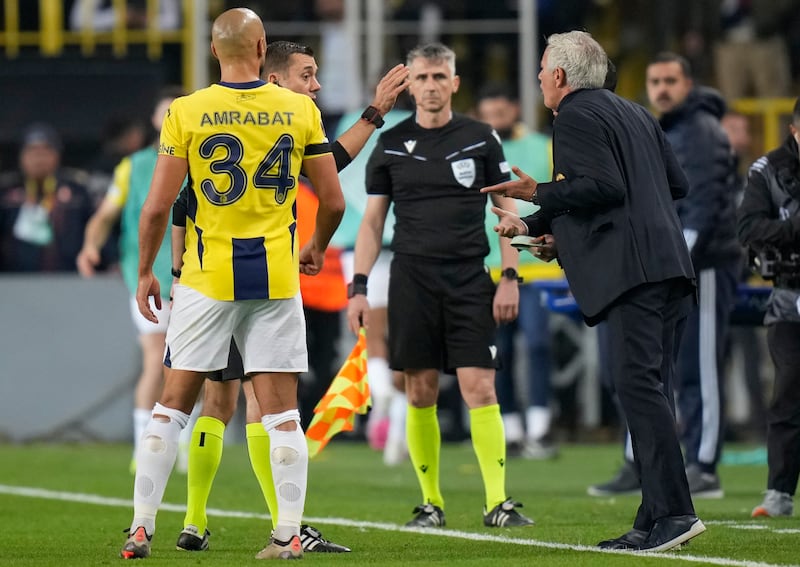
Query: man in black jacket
point(690, 117)
point(609, 210)
point(769, 223)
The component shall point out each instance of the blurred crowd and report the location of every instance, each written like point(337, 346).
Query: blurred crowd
point(745, 48)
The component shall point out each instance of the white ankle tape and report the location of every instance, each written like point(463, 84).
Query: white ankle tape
point(272, 421)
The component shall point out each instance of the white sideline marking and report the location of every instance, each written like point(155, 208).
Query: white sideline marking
point(737, 525)
point(455, 534)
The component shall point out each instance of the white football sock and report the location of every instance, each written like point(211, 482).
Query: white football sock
point(512, 423)
point(185, 439)
point(289, 461)
point(380, 386)
point(154, 461)
point(537, 419)
point(396, 449)
point(141, 417)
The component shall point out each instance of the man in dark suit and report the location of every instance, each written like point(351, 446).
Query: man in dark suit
point(609, 218)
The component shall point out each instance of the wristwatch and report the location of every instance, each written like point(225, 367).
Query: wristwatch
point(358, 286)
point(511, 274)
point(373, 116)
point(176, 273)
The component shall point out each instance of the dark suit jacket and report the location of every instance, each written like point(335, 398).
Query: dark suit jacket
point(610, 204)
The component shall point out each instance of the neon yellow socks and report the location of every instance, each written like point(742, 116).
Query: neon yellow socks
point(258, 449)
point(205, 454)
point(424, 445)
point(489, 444)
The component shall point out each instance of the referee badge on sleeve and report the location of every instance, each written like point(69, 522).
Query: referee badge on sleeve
point(464, 171)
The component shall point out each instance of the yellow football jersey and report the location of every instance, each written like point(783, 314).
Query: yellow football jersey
point(245, 144)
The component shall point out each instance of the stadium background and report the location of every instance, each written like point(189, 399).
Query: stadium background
point(67, 347)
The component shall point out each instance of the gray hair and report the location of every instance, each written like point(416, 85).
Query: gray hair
point(583, 60)
point(436, 52)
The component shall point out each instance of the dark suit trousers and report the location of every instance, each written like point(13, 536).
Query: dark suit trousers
point(783, 431)
point(645, 326)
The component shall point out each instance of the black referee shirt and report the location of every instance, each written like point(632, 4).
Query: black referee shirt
point(434, 177)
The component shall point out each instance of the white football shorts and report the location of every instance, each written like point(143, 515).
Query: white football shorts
point(145, 327)
point(270, 333)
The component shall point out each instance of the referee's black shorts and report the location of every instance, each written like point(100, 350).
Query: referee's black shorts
point(440, 314)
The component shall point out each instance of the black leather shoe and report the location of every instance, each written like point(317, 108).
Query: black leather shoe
point(630, 540)
point(671, 531)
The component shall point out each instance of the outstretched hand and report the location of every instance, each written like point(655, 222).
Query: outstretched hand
point(523, 188)
point(389, 88)
point(510, 225)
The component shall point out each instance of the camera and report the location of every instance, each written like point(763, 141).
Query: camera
point(782, 266)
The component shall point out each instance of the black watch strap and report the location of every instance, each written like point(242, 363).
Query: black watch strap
point(358, 286)
point(373, 116)
point(176, 273)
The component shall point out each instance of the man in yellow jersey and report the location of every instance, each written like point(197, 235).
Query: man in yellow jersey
point(242, 142)
point(291, 66)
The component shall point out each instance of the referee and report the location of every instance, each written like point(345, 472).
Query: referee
point(443, 306)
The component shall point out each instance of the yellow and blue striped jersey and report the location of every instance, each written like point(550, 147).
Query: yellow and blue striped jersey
point(245, 144)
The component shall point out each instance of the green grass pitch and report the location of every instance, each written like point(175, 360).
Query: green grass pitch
point(68, 504)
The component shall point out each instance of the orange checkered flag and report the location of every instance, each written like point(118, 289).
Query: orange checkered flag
point(347, 395)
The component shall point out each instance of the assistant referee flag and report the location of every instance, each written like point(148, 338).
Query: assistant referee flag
point(347, 395)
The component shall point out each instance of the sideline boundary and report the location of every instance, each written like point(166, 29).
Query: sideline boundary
point(81, 498)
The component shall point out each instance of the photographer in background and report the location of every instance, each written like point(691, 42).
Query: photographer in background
point(769, 223)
